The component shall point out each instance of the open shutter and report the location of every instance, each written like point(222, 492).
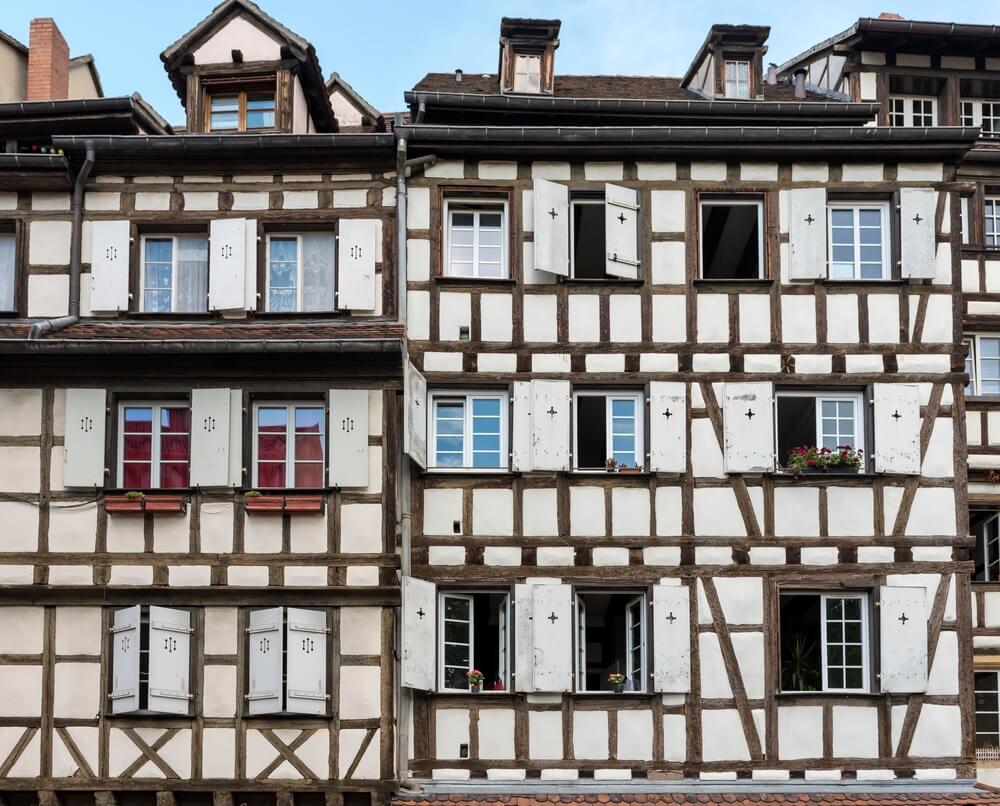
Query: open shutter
point(917, 208)
point(551, 205)
point(550, 425)
point(667, 426)
point(169, 660)
point(748, 427)
point(227, 264)
point(552, 634)
point(621, 232)
point(83, 454)
point(807, 233)
point(250, 265)
point(418, 665)
point(671, 639)
point(415, 420)
point(210, 437)
point(903, 639)
point(356, 249)
point(897, 428)
point(523, 641)
point(235, 438)
point(520, 429)
point(125, 660)
point(306, 663)
point(348, 437)
point(266, 638)
point(109, 266)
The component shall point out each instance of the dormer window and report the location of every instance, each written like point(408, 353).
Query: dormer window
point(527, 73)
point(240, 108)
point(737, 78)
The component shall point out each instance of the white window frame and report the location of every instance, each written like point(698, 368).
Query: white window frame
point(157, 407)
point(856, 207)
point(866, 643)
point(970, 365)
point(977, 733)
point(991, 201)
point(608, 394)
point(12, 268)
point(976, 355)
point(299, 271)
point(478, 206)
point(174, 251)
point(579, 633)
point(732, 202)
point(522, 78)
point(573, 202)
point(504, 629)
point(858, 398)
point(995, 518)
point(733, 85)
point(467, 396)
point(905, 117)
point(290, 406)
point(972, 114)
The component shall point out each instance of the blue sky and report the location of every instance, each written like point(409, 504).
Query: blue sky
point(382, 47)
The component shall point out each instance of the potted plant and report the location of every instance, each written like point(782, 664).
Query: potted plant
point(810, 459)
point(624, 468)
point(617, 682)
point(611, 465)
point(475, 678)
point(798, 669)
point(137, 502)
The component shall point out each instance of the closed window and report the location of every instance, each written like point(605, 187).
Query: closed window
point(832, 423)
point(241, 110)
point(825, 643)
point(174, 274)
point(300, 272)
point(468, 430)
point(476, 238)
point(985, 114)
point(987, 714)
point(8, 270)
point(527, 73)
point(474, 635)
point(608, 428)
point(909, 111)
point(986, 527)
point(983, 365)
point(287, 661)
point(154, 445)
point(289, 445)
point(737, 79)
point(858, 240)
point(732, 243)
point(587, 242)
point(991, 225)
point(610, 641)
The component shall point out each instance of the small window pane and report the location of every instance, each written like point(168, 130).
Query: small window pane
point(174, 475)
point(308, 474)
point(283, 274)
point(137, 476)
point(260, 110)
point(7, 271)
point(270, 474)
point(224, 112)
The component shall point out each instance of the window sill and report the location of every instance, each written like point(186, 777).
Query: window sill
point(448, 279)
point(734, 282)
point(893, 281)
point(128, 716)
point(470, 471)
point(836, 695)
point(152, 502)
point(585, 281)
point(277, 504)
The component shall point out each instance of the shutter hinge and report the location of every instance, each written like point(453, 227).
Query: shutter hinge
point(123, 628)
point(120, 695)
point(170, 695)
point(267, 695)
point(307, 695)
point(160, 625)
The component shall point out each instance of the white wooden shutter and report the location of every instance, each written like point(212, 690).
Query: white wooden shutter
point(667, 426)
point(169, 660)
point(671, 639)
point(551, 208)
point(550, 425)
point(524, 643)
point(897, 428)
point(306, 662)
point(807, 233)
point(520, 428)
point(621, 232)
point(235, 438)
point(415, 418)
point(266, 635)
point(85, 422)
point(210, 437)
point(250, 265)
point(109, 266)
point(227, 264)
point(748, 427)
point(356, 250)
point(125, 660)
point(903, 639)
point(552, 636)
point(418, 664)
point(917, 208)
point(348, 438)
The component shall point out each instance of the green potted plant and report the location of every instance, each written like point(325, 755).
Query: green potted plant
point(617, 682)
point(810, 459)
point(798, 667)
point(475, 678)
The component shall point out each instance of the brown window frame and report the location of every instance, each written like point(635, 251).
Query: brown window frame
point(241, 89)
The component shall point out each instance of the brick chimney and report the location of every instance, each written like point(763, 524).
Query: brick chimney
point(890, 15)
point(48, 61)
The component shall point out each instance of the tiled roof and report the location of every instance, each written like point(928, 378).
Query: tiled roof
point(978, 797)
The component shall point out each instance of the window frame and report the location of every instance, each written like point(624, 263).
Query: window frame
point(174, 258)
point(639, 399)
point(506, 635)
point(480, 205)
point(885, 208)
point(976, 356)
point(574, 201)
point(467, 396)
point(857, 397)
point(982, 526)
point(975, 117)
point(736, 81)
point(977, 712)
point(298, 234)
point(289, 461)
point(737, 200)
point(908, 113)
point(991, 212)
point(241, 91)
point(12, 230)
point(528, 58)
point(155, 460)
point(579, 647)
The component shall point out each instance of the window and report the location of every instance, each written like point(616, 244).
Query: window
point(241, 110)
point(154, 445)
point(985, 114)
point(287, 661)
point(475, 240)
point(970, 365)
point(610, 639)
point(587, 252)
point(824, 642)
point(991, 228)
point(289, 445)
point(858, 241)
point(174, 276)
point(732, 244)
point(527, 73)
point(150, 660)
point(469, 430)
point(8, 270)
point(608, 426)
point(986, 527)
point(909, 111)
point(984, 372)
point(300, 272)
point(737, 79)
point(474, 635)
point(829, 420)
point(987, 712)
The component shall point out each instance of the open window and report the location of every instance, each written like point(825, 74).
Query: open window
point(732, 238)
point(287, 661)
point(985, 525)
point(983, 365)
point(608, 426)
point(475, 636)
point(476, 238)
point(8, 271)
point(587, 237)
point(289, 444)
point(154, 445)
point(987, 713)
point(825, 641)
point(610, 641)
point(174, 274)
point(468, 430)
point(832, 423)
point(300, 271)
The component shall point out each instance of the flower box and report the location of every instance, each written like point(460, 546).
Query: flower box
point(145, 503)
point(264, 504)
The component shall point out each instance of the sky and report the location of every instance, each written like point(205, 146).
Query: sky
point(383, 47)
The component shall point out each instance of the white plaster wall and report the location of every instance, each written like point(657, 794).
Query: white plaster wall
point(238, 34)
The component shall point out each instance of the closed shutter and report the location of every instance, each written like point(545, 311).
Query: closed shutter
point(917, 208)
point(266, 635)
point(356, 249)
point(348, 438)
point(671, 639)
point(748, 420)
point(520, 429)
point(227, 264)
point(897, 428)
point(807, 233)
point(169, 660)
point(903, 639)
point(524, 643)
point(552, 634)
point(550, 425)
point(109, 263)
point(667, 427)
point(621, 232)
point(551, 213)
point(306, 662)
point(125, 660)
point(418, 664)
point(415, 417)
point(83, 453)
point(210, 437)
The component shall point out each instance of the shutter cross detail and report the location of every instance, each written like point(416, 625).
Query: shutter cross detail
point(903, 619)
point(917, 219)
point(667, 414)
point(421, 613)
point(553, 617)
point(809, 219)
point(553, 213)
point(671, 618)
point(896, 415)
point(749, 414)
point(552, 411)
point(621, 218)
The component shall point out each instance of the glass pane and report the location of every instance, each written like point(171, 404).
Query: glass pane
point(318, 251)
point(174, 447)
point(7, 270)
point(270, 474)
point(308, 474)
point(309, 446)
point(136, 476)
point(282, 300)
point(870, 218)
point(457, 655)
point(309, 419)
point(138, 419)
point(174, 421)
point(192, 274)
point(842, 218)
point(272, 418)
point(987, 723)
point(260, 111)
point(854, 678)
point(137, 448)
point(457, 609)
point(174, 475)
point(271, 446)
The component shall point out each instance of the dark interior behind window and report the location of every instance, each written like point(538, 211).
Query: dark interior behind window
point(588, 241)
point(730, 241)
point(796, 424)
point(801, 643)
point(591, 432)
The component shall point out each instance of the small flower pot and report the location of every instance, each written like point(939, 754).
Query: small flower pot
point(619, 688)
point(147, 503)
point(276, 504)
point(475, 689)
